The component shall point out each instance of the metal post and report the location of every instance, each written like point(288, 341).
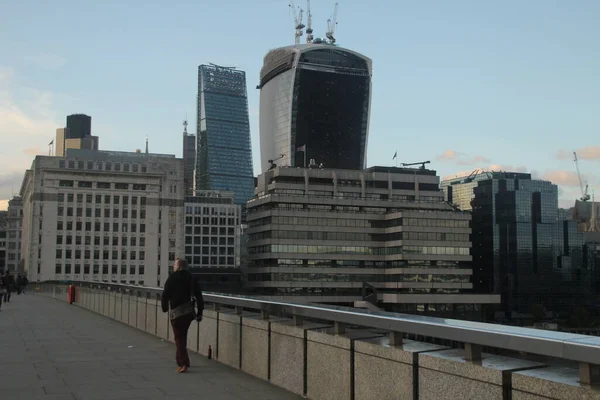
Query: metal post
point(589, 374)
point(473, 352)
point(265, 314)
point(395, 338)
point(339, 328)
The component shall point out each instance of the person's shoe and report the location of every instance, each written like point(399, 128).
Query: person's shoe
point(183, 369)
point(178, 370)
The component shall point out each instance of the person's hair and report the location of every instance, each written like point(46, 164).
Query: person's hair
point(182, 262)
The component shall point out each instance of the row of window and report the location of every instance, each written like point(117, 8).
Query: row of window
point(102, 166)
point(89, 198)
point(205, 230)
point(212, 240)
point(105, 255)
point(87, 240)
point(189, 220)
point(76, 268)
point(65, 183)
point(97, 213)
point(295, 262)
point(206, 261)
point(79, 226)
point(362, 237)
point(360, 223)
point(209, 210)
point(311, 277)
point(206, 250)
point(359, 250)
point(423, 222)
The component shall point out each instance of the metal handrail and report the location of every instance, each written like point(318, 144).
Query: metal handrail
point(575, 347)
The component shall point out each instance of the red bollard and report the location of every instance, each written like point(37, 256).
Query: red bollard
point(71, 294)
point(209, 352)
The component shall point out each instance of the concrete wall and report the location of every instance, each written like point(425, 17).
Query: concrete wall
point(321, 362)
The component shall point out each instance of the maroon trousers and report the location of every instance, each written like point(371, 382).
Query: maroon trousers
point(181, 326)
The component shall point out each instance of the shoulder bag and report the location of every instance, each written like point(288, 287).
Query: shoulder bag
point(186, 308)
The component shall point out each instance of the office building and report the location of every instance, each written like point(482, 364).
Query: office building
point(103, 216)
point(314, 105)
point(189, 160)
point(524, 247)
point(318, 235)
point(76, 135)
point(3, 244)
point(14, 217)
point(212, 230)
point(223, 152)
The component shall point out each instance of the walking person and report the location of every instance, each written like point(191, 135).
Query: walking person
point(9, 282)
point(24, 284)
point(2, 288)
point(181, 293)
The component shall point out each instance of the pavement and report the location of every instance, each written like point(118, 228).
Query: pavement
point(55, 351)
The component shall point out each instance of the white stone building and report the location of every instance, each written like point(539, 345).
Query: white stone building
point(102, 216)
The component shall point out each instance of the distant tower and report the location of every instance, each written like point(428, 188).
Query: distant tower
point(189, 159)
point(146, 145)
point(224, 155)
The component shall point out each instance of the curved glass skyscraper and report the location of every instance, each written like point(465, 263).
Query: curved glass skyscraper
point(224, 155)
point(314, 104)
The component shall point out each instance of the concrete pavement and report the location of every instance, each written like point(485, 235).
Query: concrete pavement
point(54, 351)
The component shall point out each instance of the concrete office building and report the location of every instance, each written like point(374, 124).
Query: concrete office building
point(76, 135)
point(223, 151)
point(212, 230)
point(103, 216)
point(317, 235)
point(314, 105)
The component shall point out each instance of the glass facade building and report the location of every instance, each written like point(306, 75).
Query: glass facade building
point(524, 247)
point(224, 155)
point(314, 105)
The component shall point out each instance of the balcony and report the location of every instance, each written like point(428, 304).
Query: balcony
point(327, 353)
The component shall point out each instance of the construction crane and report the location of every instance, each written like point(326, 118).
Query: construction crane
point(331, 25)
point(297, 21)
point(421, 163)
point(582, 185)
point(309, 30)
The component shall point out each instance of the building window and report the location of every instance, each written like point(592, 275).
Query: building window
point(77, 268)
point(70, 197)
point(122, 186)
point(80, 198)
point(61, 211)
point(103, 185)
point(71, 164)
point(79, 212)
point(139, 186)
point(69, 239)
point(61, 164)
point(67, 268)
point(58, 269)
point(126, 167)
point(65, 183)
point(58, 254)
point(84, 184)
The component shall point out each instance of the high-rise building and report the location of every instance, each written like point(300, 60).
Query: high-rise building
point(3, 245)
point(223, 152)
point(212, 230)
point(314, 105)
point(103, 216)
point(189, 160)
point(319, 235)
point(524, 247)
point(76, 135)
point(79, 125)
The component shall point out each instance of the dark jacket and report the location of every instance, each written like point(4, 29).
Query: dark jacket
point(178, 290)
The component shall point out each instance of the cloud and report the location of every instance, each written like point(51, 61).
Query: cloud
point(562, 178)
point(27, 125)
point(33, 151)
point(46, 60)
point(585, 153)
point(461, 158)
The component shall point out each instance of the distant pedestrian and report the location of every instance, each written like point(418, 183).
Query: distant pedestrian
point(2, 288)
point(182, 293)
point(24, 284)
point(9, 282)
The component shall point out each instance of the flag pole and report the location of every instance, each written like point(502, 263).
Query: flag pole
point(304, 156)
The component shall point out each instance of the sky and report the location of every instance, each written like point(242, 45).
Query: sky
point(466, 84)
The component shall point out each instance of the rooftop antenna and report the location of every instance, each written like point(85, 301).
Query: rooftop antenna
point(146, 145)
point(297, 21)
point(185, 125)
point(309, 30)
point(331, 25)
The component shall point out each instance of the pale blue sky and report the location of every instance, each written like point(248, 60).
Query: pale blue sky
point(509, 83)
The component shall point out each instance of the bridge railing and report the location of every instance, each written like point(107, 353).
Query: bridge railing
point(361, 346)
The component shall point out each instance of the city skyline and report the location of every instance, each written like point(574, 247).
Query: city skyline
point(466, 86)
